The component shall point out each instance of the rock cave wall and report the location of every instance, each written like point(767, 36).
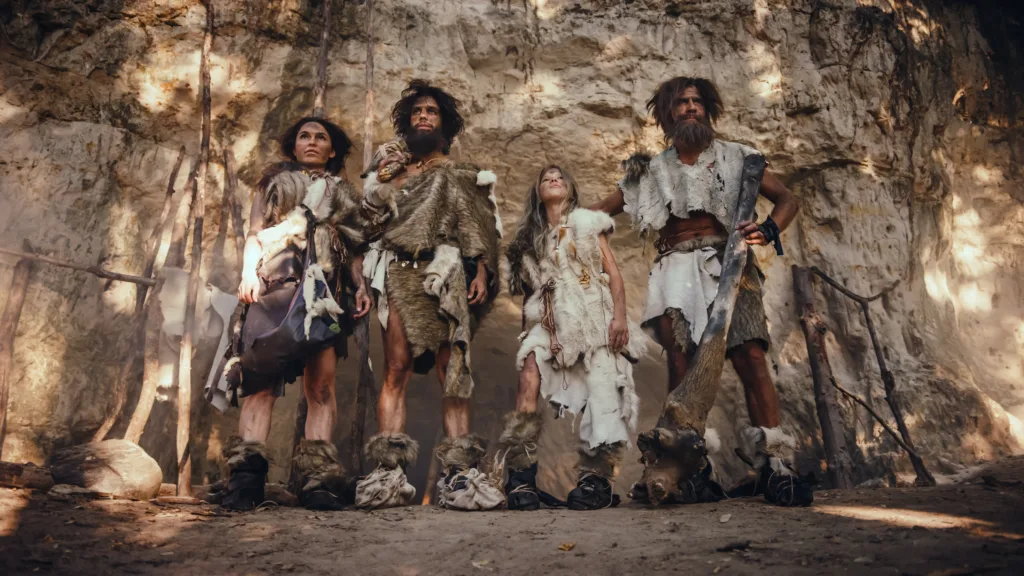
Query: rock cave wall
point(896, 123)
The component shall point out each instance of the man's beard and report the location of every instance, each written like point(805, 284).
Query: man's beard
point(694, 135)
point(422, 143)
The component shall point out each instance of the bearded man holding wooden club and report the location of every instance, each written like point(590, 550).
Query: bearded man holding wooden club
point(704, 301)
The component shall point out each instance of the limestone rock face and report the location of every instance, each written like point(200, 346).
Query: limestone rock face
point(897, 128)
point(118, 468)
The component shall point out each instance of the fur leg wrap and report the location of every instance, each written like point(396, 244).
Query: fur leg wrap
point(769, 446)
point(392, 450)
point(462, 452)
point(602, 460)
point(318, 469)
point(518, 441)
point(247, 465)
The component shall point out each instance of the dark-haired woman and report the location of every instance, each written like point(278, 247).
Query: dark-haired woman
point(578, 346)
point(301, 193)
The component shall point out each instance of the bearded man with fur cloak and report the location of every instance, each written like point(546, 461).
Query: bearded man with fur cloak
point(296, 200)
point(434, 274)
point(688, 195)
point(577, 347)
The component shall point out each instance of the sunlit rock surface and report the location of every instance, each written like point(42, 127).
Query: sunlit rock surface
point(894, 123)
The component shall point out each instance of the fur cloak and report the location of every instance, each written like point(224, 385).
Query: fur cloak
point(447, 217)
point(577, 368)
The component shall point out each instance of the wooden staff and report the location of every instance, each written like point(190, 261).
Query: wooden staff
point(320, 88)
point(924, 477)
point(8, 328)
point(365, 389)
point(142, 307)
point(94, 270)
point(231, 182)
point(190, 330)
point(833, 435)
point(688, 405)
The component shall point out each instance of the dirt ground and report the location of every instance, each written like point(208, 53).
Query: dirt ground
point(970, 528)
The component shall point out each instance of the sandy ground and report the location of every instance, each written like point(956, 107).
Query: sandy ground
point(971, 528)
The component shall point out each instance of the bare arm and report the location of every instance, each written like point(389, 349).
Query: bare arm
point(784, 209)
point(618, 331)
point(613, 203)
point(249, 288)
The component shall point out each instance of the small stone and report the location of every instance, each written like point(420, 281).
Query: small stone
point(725, 518)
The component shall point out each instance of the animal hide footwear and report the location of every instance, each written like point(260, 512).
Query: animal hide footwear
point(518, 441)
point(392, 450)
point(604, 460)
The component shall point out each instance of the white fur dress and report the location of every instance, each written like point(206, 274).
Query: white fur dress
point(580, 374)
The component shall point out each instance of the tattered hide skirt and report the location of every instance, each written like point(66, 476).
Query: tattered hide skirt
point(683, 284)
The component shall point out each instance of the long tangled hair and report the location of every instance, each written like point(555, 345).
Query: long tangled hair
point(663, 101)
point(451, 121)
point(533, 226)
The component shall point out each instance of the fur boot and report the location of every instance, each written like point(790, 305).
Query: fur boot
point(320, 478)
point(392, 450)
point(596, 469)
point(518, 441)
point(770, 451)
point(518, 447)
point(462, 452)
point(247, 466)
point(464, 486)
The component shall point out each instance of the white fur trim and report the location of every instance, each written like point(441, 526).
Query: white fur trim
point(290, 231)
point(446, 257)
point(486, 178)
point(317, 306)
point(713, 442)
point(489, 179)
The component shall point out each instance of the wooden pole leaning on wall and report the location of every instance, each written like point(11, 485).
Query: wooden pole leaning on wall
point(366, 392)
point(94, 270)
point(833, 434)
point(184, 435)
point(8, 328)
point(143, 302)
point(320, 88)
point(924, 477)
point(231, 185)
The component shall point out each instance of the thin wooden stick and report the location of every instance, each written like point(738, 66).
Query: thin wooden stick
point(141, 309)
point(175, 255)
point(153, 246)
point(366, 392)
point(924, 477)
point(368, 116)
point(94, 270)
point(875, 415)
point(231, 181)
point(190, 331)
point(833, 437)
point(320, 88)
point(8, 328)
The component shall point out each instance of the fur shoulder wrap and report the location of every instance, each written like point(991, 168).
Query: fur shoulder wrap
point(654, 188)
point(335, 205)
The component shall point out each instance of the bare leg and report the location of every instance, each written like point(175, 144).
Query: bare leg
point(762, 399)
point(529, 385)
point(455, 411)
point(397, 371)
point(677, 360)
point(257, 411)
point(318, 384)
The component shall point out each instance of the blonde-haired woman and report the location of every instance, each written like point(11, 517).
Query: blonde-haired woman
point(577, 348)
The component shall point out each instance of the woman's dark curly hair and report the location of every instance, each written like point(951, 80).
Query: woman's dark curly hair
point(339, 142)
point(451, 121)
point(663, 101)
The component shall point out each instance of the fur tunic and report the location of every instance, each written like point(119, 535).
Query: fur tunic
point(580, 371)
point(654, 188)
point(336, 207)
point(446, 216)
